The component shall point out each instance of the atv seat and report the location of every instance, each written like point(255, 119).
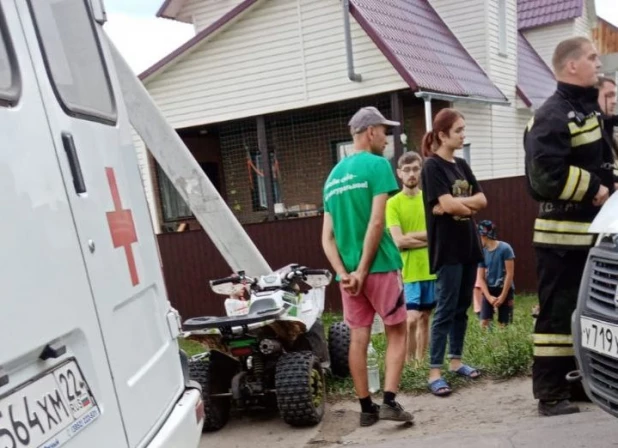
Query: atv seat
point(228, 322)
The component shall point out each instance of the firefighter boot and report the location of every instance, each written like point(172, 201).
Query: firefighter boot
point(558, 407)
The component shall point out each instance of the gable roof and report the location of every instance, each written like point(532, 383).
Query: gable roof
point(411, 35)
point(534, 13)
point(169, 9)
point(420, 46)
point(199, 37)
point(535, 80)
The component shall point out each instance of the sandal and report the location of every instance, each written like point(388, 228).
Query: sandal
point(440, 388)
point(468, 372)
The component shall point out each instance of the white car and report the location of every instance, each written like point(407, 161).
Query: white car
point(595, 321)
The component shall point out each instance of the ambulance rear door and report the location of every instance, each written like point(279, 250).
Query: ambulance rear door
point(91, 131)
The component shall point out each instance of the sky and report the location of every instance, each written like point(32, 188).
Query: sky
point(143, 39)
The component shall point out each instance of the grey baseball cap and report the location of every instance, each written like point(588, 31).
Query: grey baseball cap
point(368, 116)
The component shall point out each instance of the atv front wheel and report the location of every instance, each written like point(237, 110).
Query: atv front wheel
point(216, 409)
point(301, 391)
point(338, 348)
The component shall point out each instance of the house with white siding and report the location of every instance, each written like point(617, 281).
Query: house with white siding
point(263, 92)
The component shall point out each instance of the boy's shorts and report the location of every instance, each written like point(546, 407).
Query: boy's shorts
point(383, 294)
point(420, 296)
point(505, 311)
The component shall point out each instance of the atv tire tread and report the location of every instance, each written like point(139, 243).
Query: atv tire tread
point(338, 347)
point(294, 389)
point(216, 410)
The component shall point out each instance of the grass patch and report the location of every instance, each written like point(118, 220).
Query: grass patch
point(190, 347)
point(501, 353)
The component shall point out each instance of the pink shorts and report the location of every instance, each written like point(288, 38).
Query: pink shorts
point(383, 294)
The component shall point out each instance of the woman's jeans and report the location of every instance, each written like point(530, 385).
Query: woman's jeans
point(454, 288)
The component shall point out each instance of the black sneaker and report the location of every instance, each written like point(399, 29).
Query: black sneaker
point(558, 407)
point(395, 413)
point(369, 418)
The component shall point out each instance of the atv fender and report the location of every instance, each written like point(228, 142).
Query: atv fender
point(315, 341)
point(226, 364)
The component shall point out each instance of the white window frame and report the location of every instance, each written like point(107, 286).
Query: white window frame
point(76, 109)
point(9, 96)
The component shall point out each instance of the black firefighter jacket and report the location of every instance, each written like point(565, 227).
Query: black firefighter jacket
point(568, 156)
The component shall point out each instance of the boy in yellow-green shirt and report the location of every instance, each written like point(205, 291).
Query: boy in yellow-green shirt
point(405, 218)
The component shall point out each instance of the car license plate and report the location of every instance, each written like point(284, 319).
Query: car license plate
point(48, 411)
point(601, 337)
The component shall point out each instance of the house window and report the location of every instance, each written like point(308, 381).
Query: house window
point(502, 28)
point(260, 200)
point(9, 85)
point(173, 207)
point(73, 58)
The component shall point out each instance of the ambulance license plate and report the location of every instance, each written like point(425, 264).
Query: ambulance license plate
point(600, 337)
point(48, 411)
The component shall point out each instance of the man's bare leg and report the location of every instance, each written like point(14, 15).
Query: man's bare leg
point(395, 355)
point(357, 359)
point(412, 343)
point(396, 340)
point(422, 336)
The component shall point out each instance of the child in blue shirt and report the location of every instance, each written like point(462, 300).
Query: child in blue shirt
point(495, 276)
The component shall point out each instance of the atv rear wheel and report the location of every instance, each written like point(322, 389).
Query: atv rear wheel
point(216, 409)
point(301, 389)
point(338, 348)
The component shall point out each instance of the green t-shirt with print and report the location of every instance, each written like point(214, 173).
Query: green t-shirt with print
point(408, 213)
point(348, 197)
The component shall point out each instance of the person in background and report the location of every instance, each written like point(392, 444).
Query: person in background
point(405, 218)
point(607, 103)
point(495, 274)
point(366, 260)
point(451, 195)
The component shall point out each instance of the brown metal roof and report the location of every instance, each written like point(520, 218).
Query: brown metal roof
point(422, 48)
point(533, 13)
point(535, 80)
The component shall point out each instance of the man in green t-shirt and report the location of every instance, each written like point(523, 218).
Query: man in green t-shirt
point(405, 218)
point(365, 258)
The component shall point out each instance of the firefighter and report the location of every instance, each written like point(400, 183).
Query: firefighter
point(569, 172)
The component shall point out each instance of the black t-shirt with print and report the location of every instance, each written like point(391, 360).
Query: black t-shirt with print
point(451, 239)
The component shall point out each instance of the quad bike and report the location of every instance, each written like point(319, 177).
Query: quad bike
point(273, 356)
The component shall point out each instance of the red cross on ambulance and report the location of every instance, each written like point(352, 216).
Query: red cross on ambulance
point(121, 226)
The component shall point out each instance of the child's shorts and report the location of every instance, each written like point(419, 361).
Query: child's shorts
point(420, 296)
point(505, 311)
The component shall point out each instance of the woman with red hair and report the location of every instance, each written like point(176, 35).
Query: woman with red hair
point(452, 196)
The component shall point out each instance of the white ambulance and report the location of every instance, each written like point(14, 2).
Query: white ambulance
point(88, 340)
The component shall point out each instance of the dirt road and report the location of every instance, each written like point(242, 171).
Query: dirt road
point(487, 408)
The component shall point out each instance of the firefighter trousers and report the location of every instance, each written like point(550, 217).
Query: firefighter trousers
point(559, 275)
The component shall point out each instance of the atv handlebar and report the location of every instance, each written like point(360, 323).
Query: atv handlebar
point(221, 281)
point(297, 274)
point(316, 272)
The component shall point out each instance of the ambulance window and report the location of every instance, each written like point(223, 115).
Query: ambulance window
point(74, 59)
point(9, 78)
